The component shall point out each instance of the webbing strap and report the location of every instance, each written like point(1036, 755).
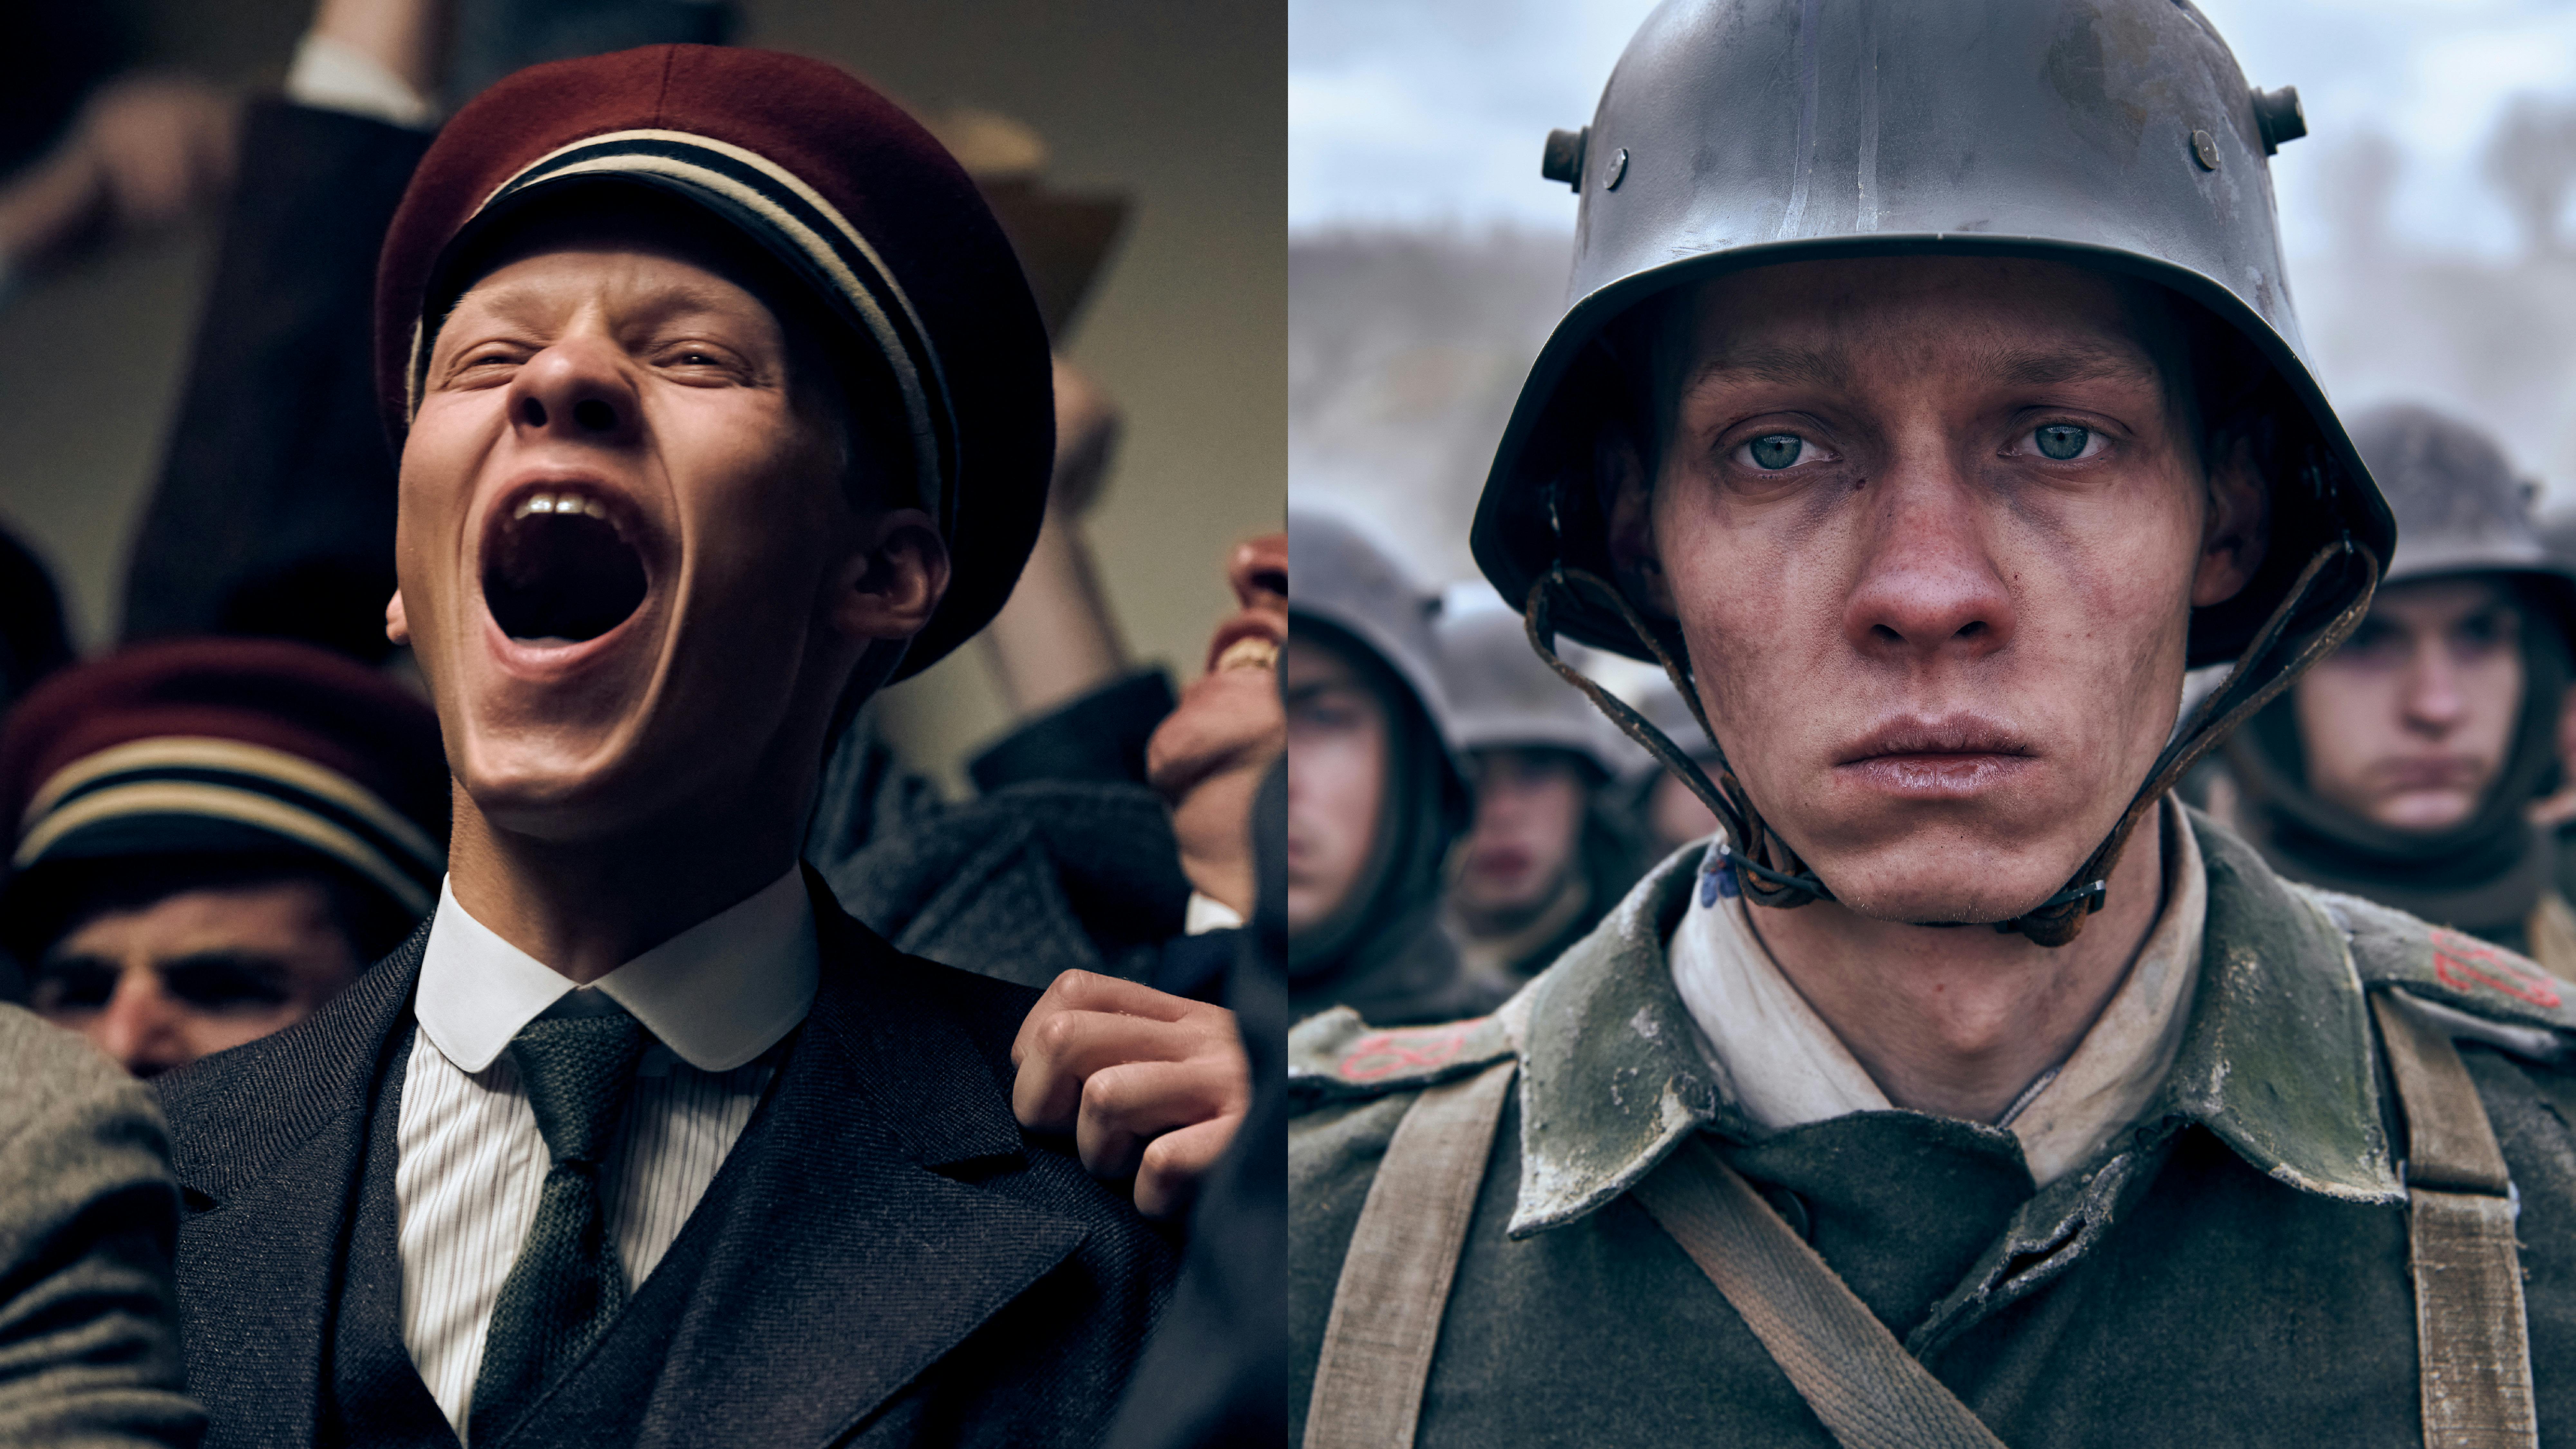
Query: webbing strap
point(2469, 1329)
point(1395, 1276)
point(1870, 1393)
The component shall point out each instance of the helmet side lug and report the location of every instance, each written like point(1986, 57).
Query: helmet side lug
point(2279, 117)
point(1563, 158)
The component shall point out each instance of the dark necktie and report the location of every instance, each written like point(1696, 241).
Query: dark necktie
point(567, 1285)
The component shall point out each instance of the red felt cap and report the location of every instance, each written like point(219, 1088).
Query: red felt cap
point(223, 746)
point(837, 183)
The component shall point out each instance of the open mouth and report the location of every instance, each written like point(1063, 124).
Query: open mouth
point(1246, 641)
point(559, 569)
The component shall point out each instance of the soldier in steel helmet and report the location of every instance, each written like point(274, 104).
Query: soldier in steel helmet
point(1375, 797)
point(1929, 401)
point(1547, 853)
point(2404, 765)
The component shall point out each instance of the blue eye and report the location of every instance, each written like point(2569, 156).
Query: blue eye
point(1774, 451)
point(2062, 441)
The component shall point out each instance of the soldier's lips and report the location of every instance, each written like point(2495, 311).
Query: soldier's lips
point(1952, 758)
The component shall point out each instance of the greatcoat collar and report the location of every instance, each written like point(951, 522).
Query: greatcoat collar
point(2276, 1060)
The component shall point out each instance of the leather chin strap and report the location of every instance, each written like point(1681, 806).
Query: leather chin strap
point(1788, 881)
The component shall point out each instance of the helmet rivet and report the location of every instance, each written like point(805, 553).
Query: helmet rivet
point(2204, 150)
point(1618, 168)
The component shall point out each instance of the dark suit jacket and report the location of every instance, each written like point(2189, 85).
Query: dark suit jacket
point(897, 1265)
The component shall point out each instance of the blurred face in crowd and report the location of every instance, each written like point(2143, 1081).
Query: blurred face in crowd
point(1208, 755)
point(1932, 529)
point(1339, 739)
point(1675, 815)
point(1527, 838)
point(2408, 723)
point(160, 985)
point(631, 568)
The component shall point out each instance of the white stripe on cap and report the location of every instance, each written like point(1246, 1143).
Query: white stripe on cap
point(239, 757)
point(225, 802)
point(818, 250)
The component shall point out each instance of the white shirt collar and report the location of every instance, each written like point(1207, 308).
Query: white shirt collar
point(719, 993)
point(1784, 1066)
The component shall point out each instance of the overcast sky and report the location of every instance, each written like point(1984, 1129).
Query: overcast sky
point(1431, 112)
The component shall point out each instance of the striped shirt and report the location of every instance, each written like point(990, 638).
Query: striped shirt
point(716, 1001)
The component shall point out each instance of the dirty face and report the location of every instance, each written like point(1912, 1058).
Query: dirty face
point(631, 567)
point(1208, 755)
point(1932, 529)
point(196, 972)
point(2408, 723)
point(1527, 838)
point(1339, 742)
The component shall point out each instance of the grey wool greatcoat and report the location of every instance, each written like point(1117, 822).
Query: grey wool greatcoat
point(89, 1353)
point(883, 1259)
point(2231, 1271)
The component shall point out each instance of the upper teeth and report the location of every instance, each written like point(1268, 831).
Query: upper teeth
point(1254, 653)
point(559, 503)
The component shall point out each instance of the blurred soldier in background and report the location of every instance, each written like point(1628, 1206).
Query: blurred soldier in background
point(2403, 767)
point(1668, 815)
point(1375, 797)
point(1548, 853)
point(214, 837)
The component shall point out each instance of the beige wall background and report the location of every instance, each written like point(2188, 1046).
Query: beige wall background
point(1181, 104)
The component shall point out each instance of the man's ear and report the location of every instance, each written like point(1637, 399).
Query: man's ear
point(1620, 475)
point(889, 587)
point(2238, 527)
point(397, 623)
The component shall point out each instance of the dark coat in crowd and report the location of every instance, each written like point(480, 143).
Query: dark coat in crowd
point(883, 1258)
point(2232, 1271)
point(274, 514)
point(1216, 1373)
point(89, 1349)
point(1066, 862)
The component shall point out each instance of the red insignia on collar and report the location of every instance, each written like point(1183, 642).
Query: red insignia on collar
point(2464, 962)
point(1389, 1052)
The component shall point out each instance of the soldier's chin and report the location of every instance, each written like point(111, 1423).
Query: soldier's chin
point(1942, 893)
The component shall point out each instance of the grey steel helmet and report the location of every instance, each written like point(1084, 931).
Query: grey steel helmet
point(2114, 134)
point(1501, 696)
point(1342, 573)
point(2118, 134)
point(2461, 508)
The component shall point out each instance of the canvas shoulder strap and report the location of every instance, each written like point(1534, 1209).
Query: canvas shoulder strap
point(2470, 1334)
point(1855, 1375)
point(2551, 929)
point(1870, 1393)
point(1394, 1285)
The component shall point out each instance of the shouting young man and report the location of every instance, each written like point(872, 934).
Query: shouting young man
point(721, 403)
point(1931, 400)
